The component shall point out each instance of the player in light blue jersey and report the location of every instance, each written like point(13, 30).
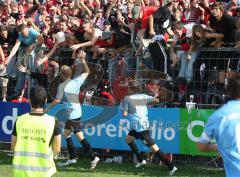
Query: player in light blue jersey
point(223, 126)
point(134, 106)
point(67, 93)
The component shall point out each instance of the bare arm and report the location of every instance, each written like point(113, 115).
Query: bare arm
point(214, 35)
point(154, 101)
point(53, 104)
point(9, 7)
point(82, 69)
point(13, 142)
point(86, 44)
point(107, 13)
point(2, 57)
point(14, 49)
point(207, 147)
point(151, 22)
point(51, 52)
point(48, 55)
point(31, 22)
point(172, 46)
point(202, 12)
point(56, 144)
point(89, 12)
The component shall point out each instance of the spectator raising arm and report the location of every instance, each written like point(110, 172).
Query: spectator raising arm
point(2, 57)
point(86, 44)
point(82, 69)
point(109, 9)
point(81, 5)
point(151, 29)
point(48, 55)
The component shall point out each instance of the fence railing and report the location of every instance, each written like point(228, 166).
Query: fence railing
point(114, 70)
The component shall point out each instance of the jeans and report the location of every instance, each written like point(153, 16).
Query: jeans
point(30, 65)
point(11, 67)
point(186, 69)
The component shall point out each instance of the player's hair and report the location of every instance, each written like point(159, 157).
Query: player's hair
point(134, 87)
point(65, 71)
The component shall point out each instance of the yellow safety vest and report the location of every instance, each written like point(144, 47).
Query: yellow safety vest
point(33, 157)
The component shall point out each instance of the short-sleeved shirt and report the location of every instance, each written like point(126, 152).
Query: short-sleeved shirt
point(224, 127)
point(30, 39)
point(136, 106)
point(162, 20)
point(68, 93)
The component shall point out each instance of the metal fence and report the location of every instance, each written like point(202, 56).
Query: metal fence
point(112, 73)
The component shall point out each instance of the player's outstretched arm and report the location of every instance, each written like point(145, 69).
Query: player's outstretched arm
point(82, 69)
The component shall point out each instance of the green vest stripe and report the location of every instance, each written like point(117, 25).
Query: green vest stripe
point(30, 168)
point(32, 154)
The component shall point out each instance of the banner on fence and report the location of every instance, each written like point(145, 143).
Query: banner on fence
point(8, 116)
point(173, 129)
point(106, 128)
point(191, 127)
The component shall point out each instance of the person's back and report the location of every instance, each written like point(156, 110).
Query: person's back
point(36, 138)
point(224, 127)
point(227, 122)
point(137, 110)
point(33, 152)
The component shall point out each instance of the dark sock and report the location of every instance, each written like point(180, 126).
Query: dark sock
point(135, 150)
point(161, 156)
point(87, 148)
point(71, 148)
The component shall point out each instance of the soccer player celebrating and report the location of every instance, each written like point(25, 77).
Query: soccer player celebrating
point(67, 93)
point(134, 106)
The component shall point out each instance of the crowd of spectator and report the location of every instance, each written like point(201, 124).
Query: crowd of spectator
point(30, 33)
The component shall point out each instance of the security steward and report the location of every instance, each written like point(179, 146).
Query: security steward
point(36, 139)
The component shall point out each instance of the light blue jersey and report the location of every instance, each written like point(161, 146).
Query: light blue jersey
point(30, 39)
point(224, 127)
point(71, 97)
point(68, 92)
point(136, 106)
